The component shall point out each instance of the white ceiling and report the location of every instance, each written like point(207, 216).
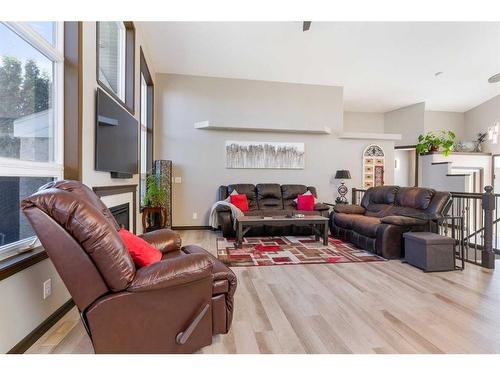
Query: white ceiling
point(382, 66)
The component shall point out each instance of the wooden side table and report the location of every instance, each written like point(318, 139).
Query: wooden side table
point(148, 218)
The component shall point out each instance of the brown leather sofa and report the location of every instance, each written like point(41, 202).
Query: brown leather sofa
point(385, 213)
point(173, 306)
point(267, 200)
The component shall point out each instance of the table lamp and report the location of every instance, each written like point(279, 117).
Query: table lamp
point(342, 174)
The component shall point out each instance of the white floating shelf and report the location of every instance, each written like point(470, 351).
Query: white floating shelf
point(380, 136)
point(206, 125)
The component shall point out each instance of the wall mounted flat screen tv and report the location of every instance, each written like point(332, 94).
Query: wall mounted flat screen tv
point(116, 138)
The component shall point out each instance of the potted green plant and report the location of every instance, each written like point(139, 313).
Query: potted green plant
point(432, 142)
point(155, 201)
point(156, 195)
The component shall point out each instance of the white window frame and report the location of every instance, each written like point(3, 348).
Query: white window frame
point(123, 61)
point(22, 168)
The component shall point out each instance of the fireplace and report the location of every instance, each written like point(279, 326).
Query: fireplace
point(116, 196)
point(122, 215)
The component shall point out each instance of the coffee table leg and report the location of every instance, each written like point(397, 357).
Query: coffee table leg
point(316, 232)
point(325, 234)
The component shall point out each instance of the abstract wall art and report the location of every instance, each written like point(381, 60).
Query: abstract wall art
point(270, 155)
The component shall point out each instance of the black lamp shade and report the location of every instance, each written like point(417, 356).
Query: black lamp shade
point(342, 174)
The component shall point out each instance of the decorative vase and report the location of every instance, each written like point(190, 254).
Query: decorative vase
point(467, 146)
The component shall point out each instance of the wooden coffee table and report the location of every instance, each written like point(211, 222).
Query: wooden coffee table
point(319, 225)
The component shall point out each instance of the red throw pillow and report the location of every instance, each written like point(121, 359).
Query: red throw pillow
point(142, 253)
point(240, 201)
point(305, 202)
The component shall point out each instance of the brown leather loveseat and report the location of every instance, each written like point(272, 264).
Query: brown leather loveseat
point(172, 306)
point(267, 200)
point(385, 213)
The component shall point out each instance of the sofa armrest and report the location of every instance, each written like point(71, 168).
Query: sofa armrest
point(165, 240)
point(170, 273)
point(435, 217)
point(403, 221)
point(225, 219)
point(220, 270)
point(226, 274)
point(349, 209)
point(321, 207)
point(221, 208)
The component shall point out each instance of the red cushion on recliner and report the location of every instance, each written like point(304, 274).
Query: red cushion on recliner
point(240, 201)
point(305, 202)
point(141, 252)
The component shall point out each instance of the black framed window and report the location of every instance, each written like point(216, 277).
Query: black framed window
point(116, 60)
point(146, 125)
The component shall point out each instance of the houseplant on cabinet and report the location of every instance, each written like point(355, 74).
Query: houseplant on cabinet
point(432, 142)
point(154, 205)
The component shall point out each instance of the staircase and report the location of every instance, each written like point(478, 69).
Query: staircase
point(459, 172)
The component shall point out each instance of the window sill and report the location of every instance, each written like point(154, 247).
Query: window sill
point(17, 263)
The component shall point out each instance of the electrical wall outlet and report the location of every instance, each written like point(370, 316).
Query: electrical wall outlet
point(195, 215)
point(47, 288)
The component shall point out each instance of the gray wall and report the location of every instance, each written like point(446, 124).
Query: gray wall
point(440, 120)
point(23, 307)
point(478, 119)
point(198, 155)
point(364, 122)
point(407, 121)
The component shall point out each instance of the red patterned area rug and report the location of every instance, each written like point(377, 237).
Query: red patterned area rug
point(276, 251)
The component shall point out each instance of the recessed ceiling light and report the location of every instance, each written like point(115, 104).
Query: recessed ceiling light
point(494, 79)
point(437, 74)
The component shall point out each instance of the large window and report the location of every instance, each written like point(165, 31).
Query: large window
point(112, 57)
point(115, 60)
point(31, 117)
point(146, 126)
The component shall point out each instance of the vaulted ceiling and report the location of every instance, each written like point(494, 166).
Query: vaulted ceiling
point(382, 66)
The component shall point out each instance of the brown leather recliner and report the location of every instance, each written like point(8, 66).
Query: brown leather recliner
point(172, 306)
point(385, 213)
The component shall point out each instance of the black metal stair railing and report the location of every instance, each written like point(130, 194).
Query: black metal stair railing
point(477, 234)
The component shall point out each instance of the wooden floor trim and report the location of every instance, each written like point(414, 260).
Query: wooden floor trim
point(38, 332)
point(192, 227)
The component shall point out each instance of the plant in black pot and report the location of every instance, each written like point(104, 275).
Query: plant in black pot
point(154, 203)
point(432, 142)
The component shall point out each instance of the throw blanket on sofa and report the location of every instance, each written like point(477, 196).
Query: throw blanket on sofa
point(213, 221)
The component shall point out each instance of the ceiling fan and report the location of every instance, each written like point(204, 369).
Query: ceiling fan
point(306, 25)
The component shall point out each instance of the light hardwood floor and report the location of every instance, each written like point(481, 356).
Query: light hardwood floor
point(382, 307)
